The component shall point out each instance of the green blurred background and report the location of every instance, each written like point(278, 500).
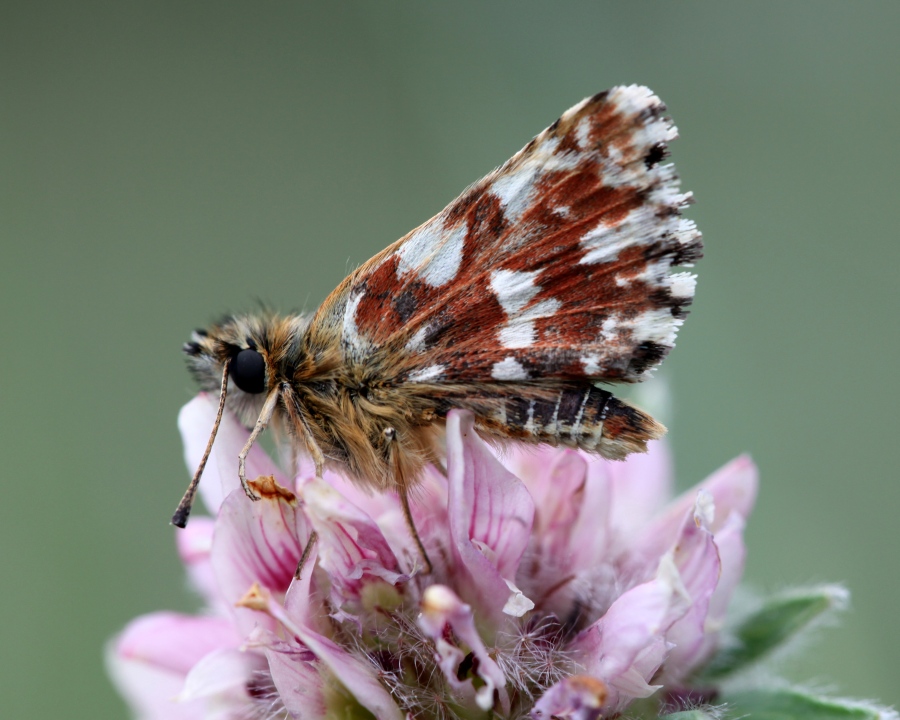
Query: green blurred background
point(163, 162)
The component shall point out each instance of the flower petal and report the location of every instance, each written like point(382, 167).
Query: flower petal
point(733, 489)
point(258, 542)
point(353, 673)
point(730, 544)
point(151, 692)
point(295, 668)
point(194, 547)
point(223, 679)
point(443, 611)
point(490, 514)
point(625, 647)
point(568, 556)
point(351, 547)
point(297, 680)
point(697, 559)
point(559, 497)
point(151, 658)
point(220, 477)
point(580, 697)
point(639, 486)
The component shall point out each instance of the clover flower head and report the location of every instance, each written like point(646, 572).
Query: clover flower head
point(563, 586)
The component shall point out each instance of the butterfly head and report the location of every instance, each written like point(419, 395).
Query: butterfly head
point(259, 350)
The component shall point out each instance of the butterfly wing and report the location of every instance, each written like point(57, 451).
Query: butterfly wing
point(548, 275)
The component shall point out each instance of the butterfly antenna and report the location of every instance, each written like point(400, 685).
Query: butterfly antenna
point(180, 518)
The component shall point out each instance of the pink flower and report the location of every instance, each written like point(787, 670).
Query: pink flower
point(563, 587)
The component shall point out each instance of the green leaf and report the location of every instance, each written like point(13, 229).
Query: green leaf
point(780, 618)
point(794, 704)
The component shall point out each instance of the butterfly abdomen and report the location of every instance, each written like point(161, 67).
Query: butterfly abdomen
point(573, 415)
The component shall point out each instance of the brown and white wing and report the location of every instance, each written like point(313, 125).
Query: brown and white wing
point(551, 272)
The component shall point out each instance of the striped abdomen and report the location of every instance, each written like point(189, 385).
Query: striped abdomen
point(582, 416)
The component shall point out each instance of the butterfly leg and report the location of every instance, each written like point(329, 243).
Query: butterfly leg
point(261, 423)
point(301, 425)
point(410, 523)
point(317, 455)
point(307, 551)
point(402, 473)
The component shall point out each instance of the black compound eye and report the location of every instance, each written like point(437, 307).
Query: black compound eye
point(248, 370)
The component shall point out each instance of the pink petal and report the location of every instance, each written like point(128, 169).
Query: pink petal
point(351, 547)
point(443, 611)
point(222, 679)
point(303, 602)
point(568, 552)
point(623, 647)
point(428, 504)
point(194, 546)
point(220, 477)
point(151, 658)
point(558, 497)
point(733, 489)
point(354, 674)
point(697, 559)
point(579, 697)
point(297, 680)
point(591, 532)
point(730, 543)
point(490, 514)
point(294, 668)
point(587, 510)
point(639, 486)
point(260, 542)
point(174, 642)
point(634, 682)
point(152, 692)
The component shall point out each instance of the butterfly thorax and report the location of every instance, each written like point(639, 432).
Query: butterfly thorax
point(355, 413)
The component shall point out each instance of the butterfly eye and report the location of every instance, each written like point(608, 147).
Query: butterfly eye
point(248, 370)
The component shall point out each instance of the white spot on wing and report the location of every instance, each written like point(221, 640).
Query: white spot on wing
point(682, 285)
point(433, 253)
point(519, 331)
point(417, 342)
point(432, 372)
point(604, 243)
point(591, 365)
point(656, 326)
point(509, 369)
point(583, 132)
point(609, 327)
point(516, 187)
point(514, 289)
point(517, 335)
point(351, 334)
point(515, 190)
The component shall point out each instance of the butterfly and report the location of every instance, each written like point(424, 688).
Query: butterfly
point(540, 282)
